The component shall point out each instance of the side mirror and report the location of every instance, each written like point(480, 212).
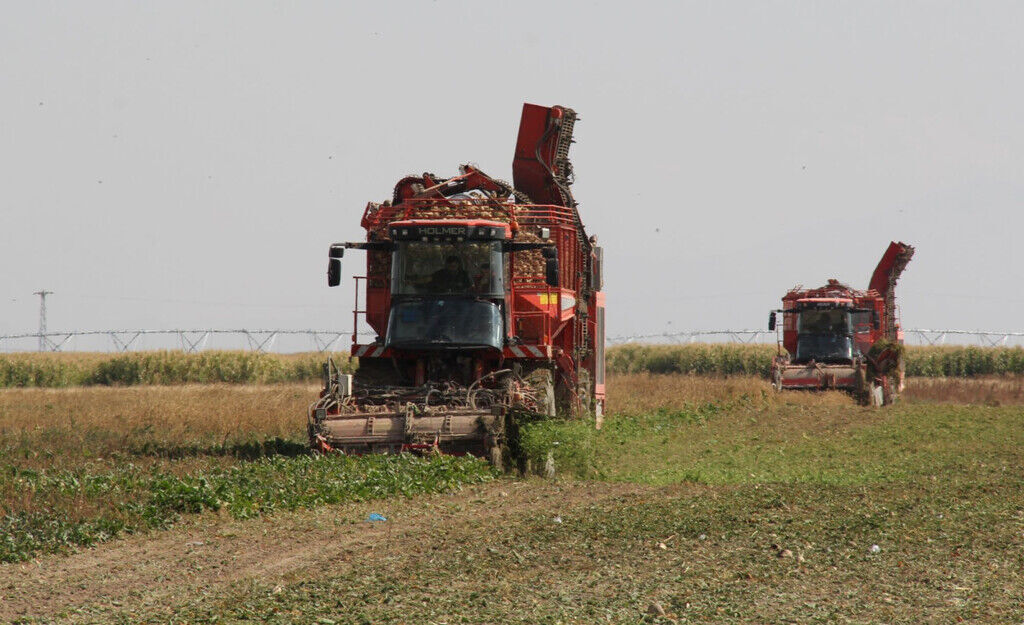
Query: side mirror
point(551, 273)
point(875, 321)
point(337, 251)
point(771, 321)
point(334, 272)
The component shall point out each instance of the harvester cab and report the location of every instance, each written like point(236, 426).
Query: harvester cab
point(448, 283)
point(829, 330)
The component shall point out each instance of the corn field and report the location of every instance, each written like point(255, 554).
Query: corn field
point(732, 359)
point(693, 358)
point(170, 367)
point(163, 367)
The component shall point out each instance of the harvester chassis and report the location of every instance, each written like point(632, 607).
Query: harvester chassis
point(449, 418)
point(857, 378)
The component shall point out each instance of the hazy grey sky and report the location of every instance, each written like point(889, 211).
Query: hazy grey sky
point(186, 164)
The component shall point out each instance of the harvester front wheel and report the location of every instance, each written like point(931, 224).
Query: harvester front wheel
point(585, 393)
point(542, 383)
point(889, 392)
point(496, 455)
point(876, 394)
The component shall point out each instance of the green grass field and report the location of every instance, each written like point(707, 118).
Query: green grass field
point(753, 510)
point(702, 500)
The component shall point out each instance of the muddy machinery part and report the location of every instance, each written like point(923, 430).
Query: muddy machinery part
point(814, 376)
point(445, 418)
point(447, 430)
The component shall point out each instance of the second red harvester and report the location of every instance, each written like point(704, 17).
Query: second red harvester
point(837, 337)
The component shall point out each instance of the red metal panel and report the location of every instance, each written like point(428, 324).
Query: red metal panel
point(378, 302)
point(528, 351)
point(536, 149)
point(893, 260)
point(884, 279)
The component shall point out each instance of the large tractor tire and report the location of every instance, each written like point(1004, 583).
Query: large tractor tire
point(574, 402)
point(876, 394)
point(542, 383)
point(496, 447)
point(889, 391)
point(496, 454)
point(585, 392)
point(862, 387)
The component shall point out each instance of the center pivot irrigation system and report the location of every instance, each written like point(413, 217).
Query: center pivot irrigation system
point(265, 341)
point(191, 341)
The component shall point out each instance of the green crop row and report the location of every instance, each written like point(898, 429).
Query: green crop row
point(693, 358)
point(732, 359)
point(129, 499)
point(167, 367)
point(163, 367)
point(949, 361)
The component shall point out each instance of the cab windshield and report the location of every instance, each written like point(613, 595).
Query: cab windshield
point(834, 321)
point(448, 268)
point(828, 348)
point(445, 322)
point(824, 336)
